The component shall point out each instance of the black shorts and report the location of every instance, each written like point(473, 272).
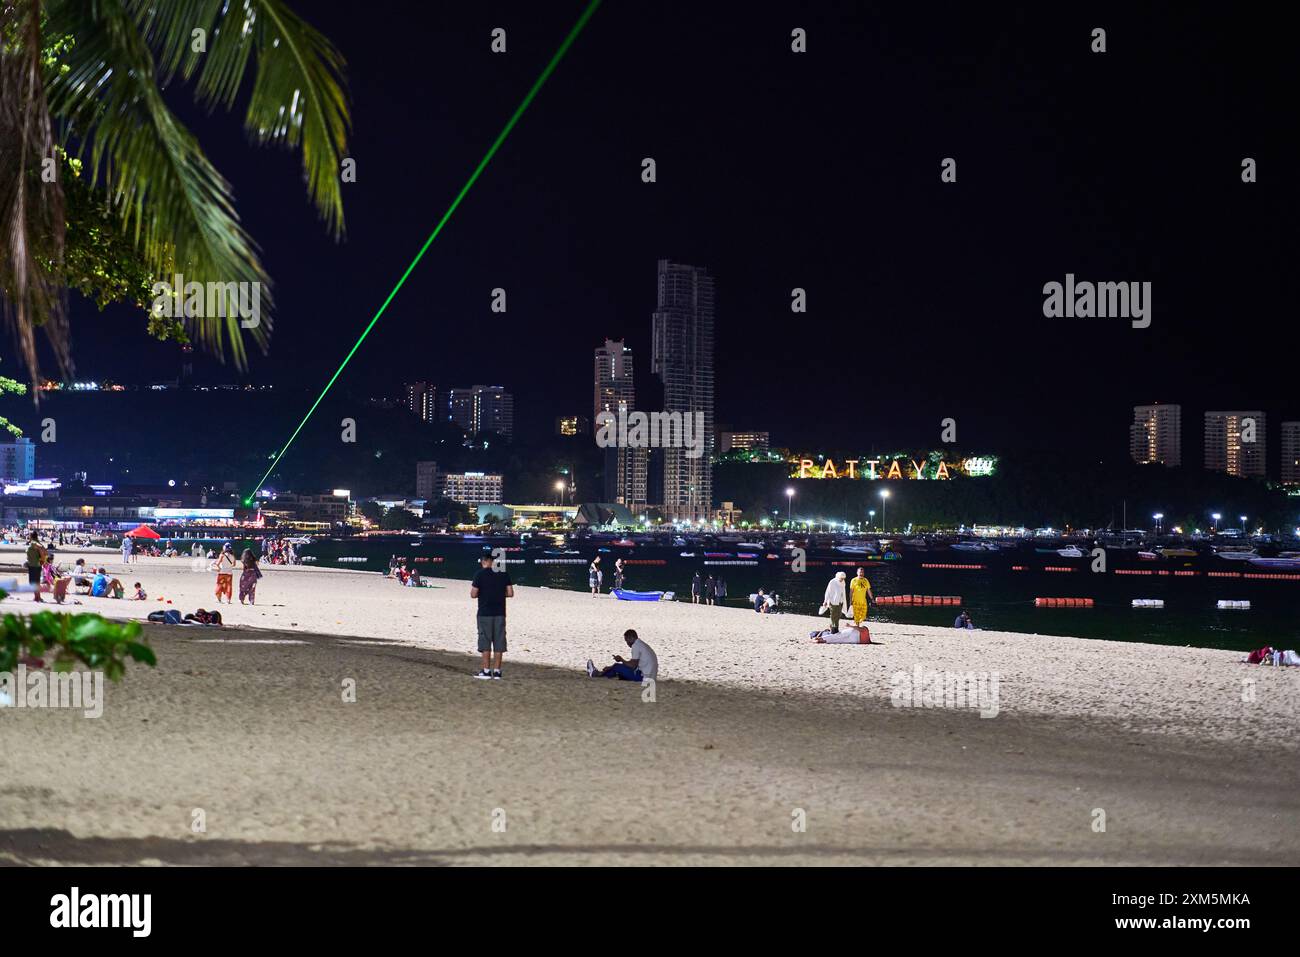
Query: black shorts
point(33, 575)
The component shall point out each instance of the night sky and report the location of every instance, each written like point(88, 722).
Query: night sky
point(777, 170)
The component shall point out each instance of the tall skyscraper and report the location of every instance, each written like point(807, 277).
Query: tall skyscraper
point(1156, 435)
point(682, 356)
point(1235, 443)
point(421, 400)
point(625, 469)
point(1291, 453)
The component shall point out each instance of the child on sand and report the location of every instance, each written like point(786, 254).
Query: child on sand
point(139, 593)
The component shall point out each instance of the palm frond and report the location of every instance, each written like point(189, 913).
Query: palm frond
point(31, 207)
point(178, 207)
point(298, 97)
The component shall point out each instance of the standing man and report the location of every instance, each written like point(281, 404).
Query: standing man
point(491, 588)
point(126, 549)
point(594, 576)
point(835, 599)
point(860, 597)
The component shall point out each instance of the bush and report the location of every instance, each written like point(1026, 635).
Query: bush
point(96, 642)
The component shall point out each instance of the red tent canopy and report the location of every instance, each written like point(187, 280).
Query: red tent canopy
point(143, 531)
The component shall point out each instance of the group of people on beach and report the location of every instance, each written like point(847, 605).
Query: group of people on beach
point(596, 576)
point(710, 589)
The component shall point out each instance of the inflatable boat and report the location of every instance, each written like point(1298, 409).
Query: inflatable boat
point(626, 595)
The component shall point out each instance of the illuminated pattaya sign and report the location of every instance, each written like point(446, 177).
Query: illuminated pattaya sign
point(932, 466)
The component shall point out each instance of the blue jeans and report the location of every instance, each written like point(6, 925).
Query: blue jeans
point(622, 672)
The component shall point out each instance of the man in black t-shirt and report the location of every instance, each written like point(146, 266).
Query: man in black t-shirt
point(491, 588)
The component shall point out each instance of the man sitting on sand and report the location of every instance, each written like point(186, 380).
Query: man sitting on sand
point(104, 587)
point(642, 666)
point(963, 621)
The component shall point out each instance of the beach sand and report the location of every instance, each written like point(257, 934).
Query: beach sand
point(1190, 756)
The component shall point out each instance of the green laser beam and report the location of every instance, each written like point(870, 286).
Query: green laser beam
point(469, 183)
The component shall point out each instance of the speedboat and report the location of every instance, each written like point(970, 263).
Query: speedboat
point(1237, 554)
point(1148, 556)
point(1177, 552)
point(971, 547)
point(1070, 551)
point(856, 549)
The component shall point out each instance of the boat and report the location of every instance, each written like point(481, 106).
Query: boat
point(856, 549)
point(1276, 564)
point(1070, 551)
point(1177, 552)
point(1148, 556)
point(625, 542)
point(971, 547)
point(560, 551)
point(686, 554)
point(1237, 554)
point(717, 554)
point(626, 595)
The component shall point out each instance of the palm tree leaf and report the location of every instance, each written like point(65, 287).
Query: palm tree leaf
point(298, 97)
point(176, 204)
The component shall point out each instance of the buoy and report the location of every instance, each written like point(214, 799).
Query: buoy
point(1148, 603)
point(1233, 605)
point(1063, 602)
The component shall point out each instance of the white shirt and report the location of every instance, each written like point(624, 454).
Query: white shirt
point(646, 659)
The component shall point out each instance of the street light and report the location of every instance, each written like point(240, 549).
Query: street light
point(871, 514)
point(1243, 524)
point(884, 498)
point(1216, 516)
point(1158, 516)
point(789, 504)
point(559, 488)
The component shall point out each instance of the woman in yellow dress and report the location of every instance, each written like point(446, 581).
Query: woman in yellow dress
point(859, 596)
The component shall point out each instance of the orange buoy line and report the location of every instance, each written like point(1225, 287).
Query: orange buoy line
point(919, 600)
point(947, 565)
point(1063, 602)
point(645, 561)
point(1058, 568)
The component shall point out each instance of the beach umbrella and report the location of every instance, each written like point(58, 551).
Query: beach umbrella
point(143, 531)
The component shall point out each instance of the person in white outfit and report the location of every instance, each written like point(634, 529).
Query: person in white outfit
point(836, 599)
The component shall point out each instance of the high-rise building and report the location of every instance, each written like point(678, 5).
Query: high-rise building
point(428, 481)
point(613, 378)
point(493, 410)
point(1291, 453)
point(482, 408)
point(615, 394)
point(682, 356)
point(754, 441)
point(460, 408)
point(1156, 435)
point(421, 401)
point(17, 461)
point(1235, 443)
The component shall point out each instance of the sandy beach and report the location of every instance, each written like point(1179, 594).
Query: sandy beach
point(1187, 755)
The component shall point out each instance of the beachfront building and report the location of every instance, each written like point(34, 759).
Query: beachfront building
point(1291, 453)
point(682, 356)
point(747, 441)
point(626, 469)
point(1156, 435)
point(422, 401)
point(17, 461)
point(1235, 443)
point(472, 488)
point(321, 508)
